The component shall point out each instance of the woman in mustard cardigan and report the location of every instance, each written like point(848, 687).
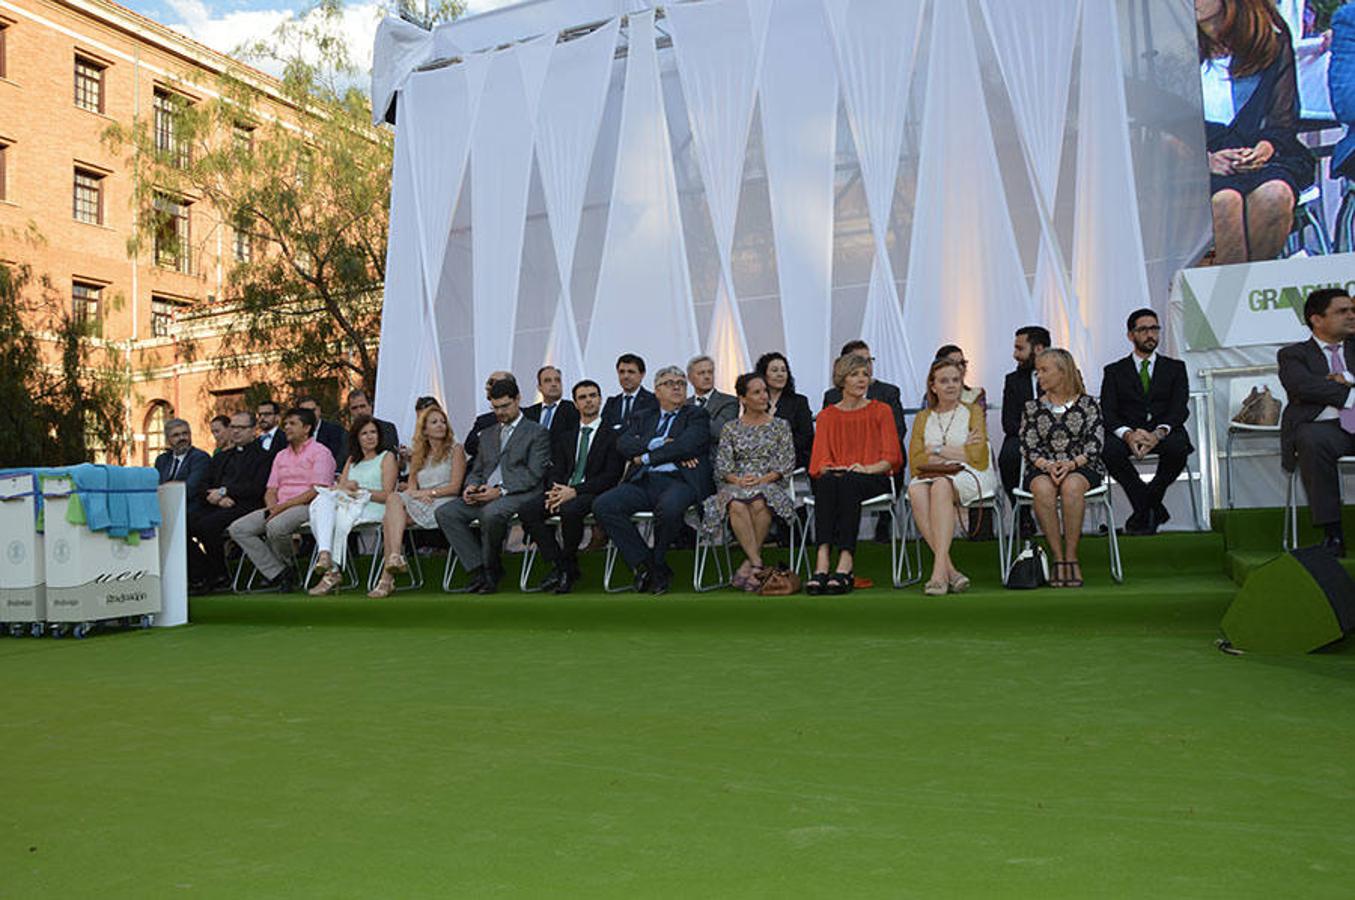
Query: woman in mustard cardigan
point(947, 432)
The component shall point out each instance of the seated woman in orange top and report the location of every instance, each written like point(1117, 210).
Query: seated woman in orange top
point(856, 449)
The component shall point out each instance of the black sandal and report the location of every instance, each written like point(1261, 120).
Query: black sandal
point(841, 582)
point(1072, 580)
point(817, 584)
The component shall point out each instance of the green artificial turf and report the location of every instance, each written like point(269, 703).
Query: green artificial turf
point(1038, 744)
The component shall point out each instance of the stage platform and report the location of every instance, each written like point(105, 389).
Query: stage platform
point(1048, 743)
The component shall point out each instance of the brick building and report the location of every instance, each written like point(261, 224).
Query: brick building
point(68, 70)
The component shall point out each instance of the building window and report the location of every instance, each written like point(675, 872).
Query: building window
point(88, 203)
point(86, 306)
point(244, 242)
point(159, 413)
point(4, 41)
point(162, 316)
point(4, 169)
point(169, 141)
point(89, 84)
point(243, 136)
point(171, 234)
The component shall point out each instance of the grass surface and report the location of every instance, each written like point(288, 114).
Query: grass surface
point(1048, 743)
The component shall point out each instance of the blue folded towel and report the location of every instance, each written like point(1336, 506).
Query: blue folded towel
point(117, 499)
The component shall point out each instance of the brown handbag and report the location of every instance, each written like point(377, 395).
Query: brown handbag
point(1259, 408)
point(779, 582)
point(939, 470)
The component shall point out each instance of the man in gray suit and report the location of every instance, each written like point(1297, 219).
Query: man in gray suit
point(722, 408)
point(508, 474)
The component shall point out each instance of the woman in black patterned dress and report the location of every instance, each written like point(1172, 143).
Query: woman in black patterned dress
point(1061, 438)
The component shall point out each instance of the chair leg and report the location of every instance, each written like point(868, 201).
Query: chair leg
point(378, 561)
point(1228, 465)
point(1290, 538)
point(1116, 564)
point(415, 565)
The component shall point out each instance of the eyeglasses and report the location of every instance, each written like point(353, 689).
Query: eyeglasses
point(671, 382)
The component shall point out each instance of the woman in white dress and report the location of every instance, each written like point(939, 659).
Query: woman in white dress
point(437, 468)
point(949, 461)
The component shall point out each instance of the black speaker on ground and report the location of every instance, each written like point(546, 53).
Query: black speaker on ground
point(1296, 603)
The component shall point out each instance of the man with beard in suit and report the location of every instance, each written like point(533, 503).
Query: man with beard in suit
point(1145, 400)
point(553, 411)
point(584, 463)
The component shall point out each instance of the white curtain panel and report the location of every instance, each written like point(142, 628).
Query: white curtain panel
point(644, 296)
point(500, 175)
point(966, 284)
point(876, 42)
point(799, 102)
point(568, 119)
point(1108, 260)
point(1034, 41)
point(407, 365)
point(717, 54)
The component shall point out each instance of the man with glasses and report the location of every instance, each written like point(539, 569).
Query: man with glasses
point(669, 469)
point(1145, 400)
point(235, 485)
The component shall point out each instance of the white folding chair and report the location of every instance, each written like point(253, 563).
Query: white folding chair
point(1098, 497)
point(452, 564)
point(644, 520)
point(889, 503)
point(1238, 388)
point(1290, 538)
point(531, 551)
point(994, 501)
point(411, 557)
point(350, 571)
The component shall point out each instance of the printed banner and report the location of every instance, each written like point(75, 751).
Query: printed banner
point(1255, 303)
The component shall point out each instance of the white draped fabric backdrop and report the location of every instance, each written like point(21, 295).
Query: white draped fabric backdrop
point(579, 178)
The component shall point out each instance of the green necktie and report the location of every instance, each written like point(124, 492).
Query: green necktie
point(1144, 376)
point(585, 434)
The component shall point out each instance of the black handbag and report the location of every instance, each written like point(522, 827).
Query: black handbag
point(1029, 570)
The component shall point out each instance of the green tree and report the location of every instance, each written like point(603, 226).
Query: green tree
point(53, 412)
point(308, 190)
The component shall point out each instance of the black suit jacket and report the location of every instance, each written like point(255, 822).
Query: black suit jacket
point(690, 439)
point(794, 408)
point(278, 443)
point(472, 442)
point(192, 472)
point(566, 415)
point(390, 435)
point(243, 471)
point(604, 467)
point(885, 393)
point(335, 438)
point(1303, 372)
point(611, 411)
point(1017, 388)
point(1123, 404)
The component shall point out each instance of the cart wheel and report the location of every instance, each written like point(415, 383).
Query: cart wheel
point(82, 630)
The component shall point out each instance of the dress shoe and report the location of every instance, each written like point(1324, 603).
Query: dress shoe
point(476, 577)
point(218, 585)
point(488, 584)
point(643, 579)
point(551, 581)
point(660, 583)
point(1334, 545)
point(284, 582)
point(1139, 524)
point(567, 580)
point(1161, 516)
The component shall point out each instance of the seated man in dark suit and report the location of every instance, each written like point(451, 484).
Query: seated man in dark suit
point(183, 462)
point(359, 405)
point(879, 390)
point(721, 407)
point(553, 412)
point(330, 435)
point(1018, 387)
point(1318, 424)
point(486, 419)
point(634, 399)
point(584, 463)
point(670, 469)
point(505, 479)
point(1145, 400)
point(234, 487)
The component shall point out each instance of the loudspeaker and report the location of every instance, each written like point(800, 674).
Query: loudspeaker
point(1296, 603)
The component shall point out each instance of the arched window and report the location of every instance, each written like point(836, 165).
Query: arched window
point(156, 417)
